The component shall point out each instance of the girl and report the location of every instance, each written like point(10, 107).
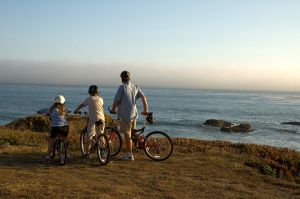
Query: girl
point(59, 123)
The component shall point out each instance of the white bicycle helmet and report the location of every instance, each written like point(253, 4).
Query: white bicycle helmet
point(59, 99)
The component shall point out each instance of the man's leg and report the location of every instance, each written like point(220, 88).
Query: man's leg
point(125, 128)
point(127, 133)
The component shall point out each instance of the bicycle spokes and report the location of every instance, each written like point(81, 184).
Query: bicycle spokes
point(115, 141)
point(103, 151)
point(158, 146)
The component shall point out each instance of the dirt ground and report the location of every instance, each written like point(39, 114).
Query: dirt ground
point(210, 174)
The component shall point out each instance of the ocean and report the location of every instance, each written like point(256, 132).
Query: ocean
point(180, 112)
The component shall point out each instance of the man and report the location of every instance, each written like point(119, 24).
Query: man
point(125, 99)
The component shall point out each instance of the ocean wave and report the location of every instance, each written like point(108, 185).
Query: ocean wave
point(283, 97)
point(282, 130)
point(180, 123)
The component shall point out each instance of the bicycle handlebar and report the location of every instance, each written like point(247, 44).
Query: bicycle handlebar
point(81, 112)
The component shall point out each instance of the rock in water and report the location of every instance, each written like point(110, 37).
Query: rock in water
point(217, 123)
point(228, 126)
point(291, 123)
point(245, 128)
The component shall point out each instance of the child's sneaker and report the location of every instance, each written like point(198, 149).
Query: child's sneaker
point(46, 160)
point(128, 158)
point(86, 157)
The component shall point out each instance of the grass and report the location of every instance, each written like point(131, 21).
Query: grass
point(190, 175)
point(197, 169)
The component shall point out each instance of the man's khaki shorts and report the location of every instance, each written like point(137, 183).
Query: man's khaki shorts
point(125, 127)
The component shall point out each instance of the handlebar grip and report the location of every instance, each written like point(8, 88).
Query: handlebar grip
point(111, 112)
point(81, 112)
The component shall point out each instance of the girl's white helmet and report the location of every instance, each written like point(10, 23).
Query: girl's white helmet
point(59, 99)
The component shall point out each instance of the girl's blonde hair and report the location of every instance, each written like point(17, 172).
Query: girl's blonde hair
point(61, 108)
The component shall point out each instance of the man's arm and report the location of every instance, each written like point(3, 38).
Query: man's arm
point(145, 105)
point(114, 106)
point(117, 99)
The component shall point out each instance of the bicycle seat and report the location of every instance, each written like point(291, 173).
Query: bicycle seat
point(99, 122)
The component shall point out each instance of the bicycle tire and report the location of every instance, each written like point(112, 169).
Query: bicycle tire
point(82, 142)
point(115, 140)
point(62, 152)
point(103, 149)
point(158, 146)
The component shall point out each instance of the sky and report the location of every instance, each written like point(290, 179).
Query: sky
point(216, 44)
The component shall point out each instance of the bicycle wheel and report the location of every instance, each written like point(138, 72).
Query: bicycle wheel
point(62, 152)
point(115, 140)
point(83, 141)
point(158, 146)
point(103, 151)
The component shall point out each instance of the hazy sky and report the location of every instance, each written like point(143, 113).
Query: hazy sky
point(219, 44)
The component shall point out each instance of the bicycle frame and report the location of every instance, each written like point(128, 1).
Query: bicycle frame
point(115, 122)
point(99, 142)
point(56, 147)
point(139, 142)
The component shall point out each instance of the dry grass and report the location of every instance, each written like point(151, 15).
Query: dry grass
point(197, 169)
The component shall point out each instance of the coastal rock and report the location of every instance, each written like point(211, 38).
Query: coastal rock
point(217, 123)
point(228, 126)
point(291, 123)
point(245, 128)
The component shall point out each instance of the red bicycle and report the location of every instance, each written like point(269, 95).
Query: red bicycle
point(157, 145)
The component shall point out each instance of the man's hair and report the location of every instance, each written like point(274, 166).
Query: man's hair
point(125, 76)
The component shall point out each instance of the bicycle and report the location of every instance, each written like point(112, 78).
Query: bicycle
point(114, 137)
point(61, 146)
point(99, 143)
point(157, 145)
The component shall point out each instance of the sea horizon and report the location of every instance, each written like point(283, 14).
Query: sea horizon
point(162, 87)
